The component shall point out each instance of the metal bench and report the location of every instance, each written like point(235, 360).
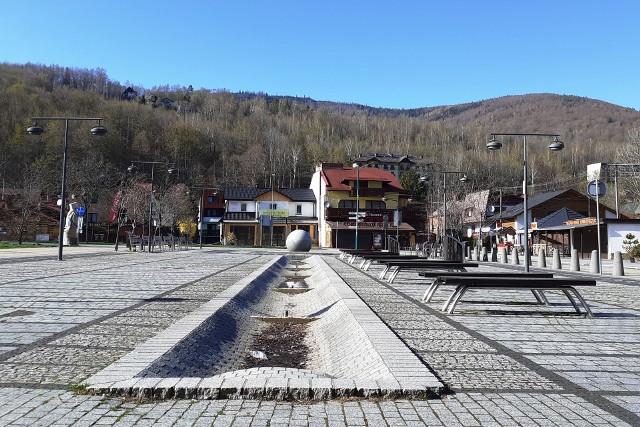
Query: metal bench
point(396, 266)
point(437, 275)
point(133, 240)
point(567, 286)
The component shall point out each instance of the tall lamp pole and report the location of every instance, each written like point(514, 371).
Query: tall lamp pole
point(464, 178)
point(273, 175)
point(555, 145)
point(357, 167)
point(133, 168)
point(37, 130)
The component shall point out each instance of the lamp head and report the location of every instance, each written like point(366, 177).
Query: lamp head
point(34, 129)
point(98, 129)
point(172, 170)
point(464, 178)
point(556, 145)
point(132, 168)
point(494, 144)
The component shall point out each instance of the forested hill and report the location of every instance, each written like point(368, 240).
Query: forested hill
point(239, 139)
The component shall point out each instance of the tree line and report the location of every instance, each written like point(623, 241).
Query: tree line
point(218, 138)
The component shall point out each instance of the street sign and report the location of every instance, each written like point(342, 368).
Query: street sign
point(591, 188)
point(360, 214)
point(277, 213)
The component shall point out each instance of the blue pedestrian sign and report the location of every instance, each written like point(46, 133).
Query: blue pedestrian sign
point(80, 211)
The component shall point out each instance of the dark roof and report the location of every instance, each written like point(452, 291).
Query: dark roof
point(250, 193)
point(558, 218)
point(387, 158)
point(531, 202)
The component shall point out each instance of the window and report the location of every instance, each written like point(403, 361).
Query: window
point(243, 207)
point(93, 218)
point(375, 204)
point(273, 206)
point(298, 209)
point(351, 204)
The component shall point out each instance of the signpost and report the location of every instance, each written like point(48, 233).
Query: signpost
point(597, 189)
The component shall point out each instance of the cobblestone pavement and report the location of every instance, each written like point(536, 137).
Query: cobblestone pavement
point(505, 364)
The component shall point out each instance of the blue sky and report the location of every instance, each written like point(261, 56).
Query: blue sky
point(395, 54)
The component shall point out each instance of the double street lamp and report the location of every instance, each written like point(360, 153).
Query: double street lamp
point(133, 168)
point(555, 145)
point(34, 129)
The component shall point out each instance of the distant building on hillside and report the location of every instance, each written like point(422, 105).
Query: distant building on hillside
point(129, 94)
point(397, 164)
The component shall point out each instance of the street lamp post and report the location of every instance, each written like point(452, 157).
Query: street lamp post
point(37, 130)
point(357, 167)
point(133, 168)
point(464, 178)
point(555, 145)
point(201, 208)
point(273, 175)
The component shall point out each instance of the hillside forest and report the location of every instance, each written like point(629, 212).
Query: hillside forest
point(213, 137)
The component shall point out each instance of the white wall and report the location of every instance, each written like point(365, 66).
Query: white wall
point(616, 234)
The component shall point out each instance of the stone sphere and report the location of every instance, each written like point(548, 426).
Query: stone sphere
point(299, 241)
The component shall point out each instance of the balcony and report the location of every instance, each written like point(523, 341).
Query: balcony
point(368, 192)
point(410, 216)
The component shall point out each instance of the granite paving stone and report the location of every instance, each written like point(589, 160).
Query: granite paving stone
point(503, 364)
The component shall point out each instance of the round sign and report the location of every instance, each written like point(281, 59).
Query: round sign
point(80, 211)
point(591, 188)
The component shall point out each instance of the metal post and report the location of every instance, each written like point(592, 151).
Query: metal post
point(444, 206)
point(526, 208)
point(62, 190)
point(200, 215)
point(151, 207)
point(598, 225)
point(357, 202)
point(271, 207)
point(615, 184)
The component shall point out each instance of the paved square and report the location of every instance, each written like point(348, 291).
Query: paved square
point(512, 363)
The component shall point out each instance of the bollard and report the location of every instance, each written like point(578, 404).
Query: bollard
point(494, 254)
point(468, 252)
point(475, 254)
point(542, 259)
point(503, 255)
point(618, 268)
point(575, 261)
point(515, 260)
point(557, 264)
point(483, 254)
point(594, 267)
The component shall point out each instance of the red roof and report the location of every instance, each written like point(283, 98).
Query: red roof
point(339, 179)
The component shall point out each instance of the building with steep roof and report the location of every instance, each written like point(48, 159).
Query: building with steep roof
point(375, 194)
point(397, 164)
point(265, 216)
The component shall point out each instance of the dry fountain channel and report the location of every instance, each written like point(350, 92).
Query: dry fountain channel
point(292, 329)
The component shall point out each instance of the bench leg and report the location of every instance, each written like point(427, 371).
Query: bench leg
point(568, 291)
point(428, 294)
point(451, 297)
point(460, 290)
point(367, 265)
point(383, 272)
point(364, 261)
point(394, 274)
point(540, 296)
